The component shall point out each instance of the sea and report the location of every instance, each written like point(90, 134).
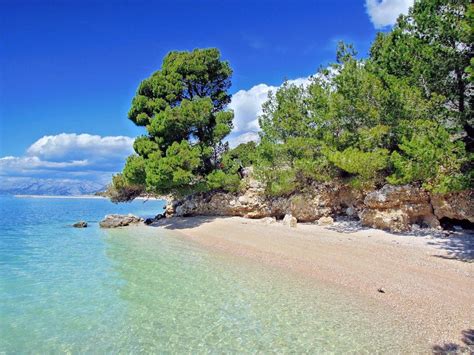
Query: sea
point(152, 290)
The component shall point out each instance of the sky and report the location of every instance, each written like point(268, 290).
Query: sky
point(69, 69)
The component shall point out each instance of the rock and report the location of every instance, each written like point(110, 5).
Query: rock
point(350, 211)
point(268, 220)
point(457, 205)
point(159, 216)
point(381, 290)
point(325, 221)
point(290, 221)
point(149, 221)
point(80, 224)
point(395, 208)
point(117, 220)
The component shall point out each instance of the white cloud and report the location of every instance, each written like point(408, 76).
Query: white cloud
point(247, 106)
point(77, 146)
point(71, 155)
point(27, 163)
point(384, 13)
point(235, 140)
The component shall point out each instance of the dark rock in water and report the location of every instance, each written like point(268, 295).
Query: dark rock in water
point(80, 224)
point(159, 216)
point(118, 220)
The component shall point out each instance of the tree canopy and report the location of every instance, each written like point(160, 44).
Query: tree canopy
point(183, 108)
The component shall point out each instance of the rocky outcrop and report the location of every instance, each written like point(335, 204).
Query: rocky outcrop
point(457, 206)
point(80, 224)
point(118, 220)
point(317, 201)
point(396, 208)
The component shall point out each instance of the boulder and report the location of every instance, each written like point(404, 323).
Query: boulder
point(395, 208)
point(457, 205)
point(80, 224)
point(118, 220)
point(290, 221)
point(325, 221)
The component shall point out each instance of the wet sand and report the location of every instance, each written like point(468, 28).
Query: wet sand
point(427, 280)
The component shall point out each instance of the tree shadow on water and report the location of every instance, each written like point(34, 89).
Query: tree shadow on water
point(452, 348)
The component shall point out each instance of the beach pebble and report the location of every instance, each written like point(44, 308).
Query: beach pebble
point(290, 221)
point(325, 221)
point(268, 220)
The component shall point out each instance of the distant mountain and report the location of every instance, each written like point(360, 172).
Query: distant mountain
point(56, 187)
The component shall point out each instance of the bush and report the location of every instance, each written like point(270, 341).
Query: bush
point(430, 157)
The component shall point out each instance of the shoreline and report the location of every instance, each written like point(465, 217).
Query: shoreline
point(427, 280)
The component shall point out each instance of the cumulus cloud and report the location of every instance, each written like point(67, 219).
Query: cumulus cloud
point(236, 139)
point(247, 106)
point(70, 155)
point(73, 146)
point(384, 13)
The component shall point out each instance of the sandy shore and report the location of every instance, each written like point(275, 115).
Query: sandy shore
point(427, 280)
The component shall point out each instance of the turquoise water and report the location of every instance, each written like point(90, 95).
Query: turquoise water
point(148, 290)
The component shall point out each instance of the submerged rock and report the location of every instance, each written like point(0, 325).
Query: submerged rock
point(80, 224)
point(290, 221)
point(118, 220)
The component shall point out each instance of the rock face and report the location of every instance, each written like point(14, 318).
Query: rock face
point(396, 208)
point(318, 201)
point(80, 224)
point(457, 205)
point(118, 220)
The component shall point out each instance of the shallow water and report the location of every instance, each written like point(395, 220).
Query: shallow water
point(147, 289)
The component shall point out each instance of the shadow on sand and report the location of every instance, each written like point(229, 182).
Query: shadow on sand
point(458, 247)
point(451, 348)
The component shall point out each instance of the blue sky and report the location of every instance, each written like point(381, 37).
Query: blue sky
point(73, 66)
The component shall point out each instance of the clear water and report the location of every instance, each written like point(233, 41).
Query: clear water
point(148, 290)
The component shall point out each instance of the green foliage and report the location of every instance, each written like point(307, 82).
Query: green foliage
point(429, 156)
point(175, 169)
point(134, 170)
point(121, 191)
point(220, 180)
point(241, 156)
point(367, 165)
point(431, 48)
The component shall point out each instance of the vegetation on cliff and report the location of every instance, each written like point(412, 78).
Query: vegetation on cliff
point(402, 115)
